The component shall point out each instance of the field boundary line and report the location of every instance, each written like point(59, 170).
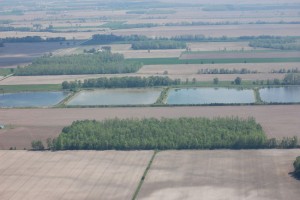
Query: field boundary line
point(144, 176)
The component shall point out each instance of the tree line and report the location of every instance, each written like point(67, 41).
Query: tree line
point(158, 44)
point(282, 43)
point(121, 82)
point(226, 71)
point(99, 63)
point(182, 133)
point(31, 39)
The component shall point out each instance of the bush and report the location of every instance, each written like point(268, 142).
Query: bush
point(37, 145)
point(297, 167)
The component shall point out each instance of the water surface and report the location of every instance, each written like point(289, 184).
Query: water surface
point(210, 96)
point(116, 97)
point(288, 94)
point(31, 99)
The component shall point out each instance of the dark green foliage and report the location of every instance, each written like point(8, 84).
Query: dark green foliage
point(282, 43)
point(31, 39)
point(158, 44)
point(216, 81)
point(37, 145)
point(297, 167)
point(107, 39)
point(182, 133)
point(237, 81)
point(284, 143)
point(292, 79)
point(123, 25)
point(121, 82)
point(99, 63)
point(226, 71)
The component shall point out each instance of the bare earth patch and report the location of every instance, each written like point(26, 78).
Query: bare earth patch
point(215, 175)
point(32, 124)
point(110, 175)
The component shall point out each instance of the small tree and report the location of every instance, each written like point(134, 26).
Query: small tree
point(216, 81)
point(194, 80)
point(37, 145)
point(297, 167)
point(237, 81)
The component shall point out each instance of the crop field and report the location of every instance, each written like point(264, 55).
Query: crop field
point(214, 175)
point(219, 46)
point(277, 121)
point(232, 55)
point(111, 175)
point(216, 31)
point(14, 54)
point(189, 69)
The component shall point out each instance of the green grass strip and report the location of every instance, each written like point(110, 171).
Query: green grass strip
point(144, 176)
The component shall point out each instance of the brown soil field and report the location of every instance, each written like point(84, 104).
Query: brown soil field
point(110, 175)
point(228, 55)
point(14, 54)
point(25, 125)
point(190, 69)
point(224, 174)
point(29, 80)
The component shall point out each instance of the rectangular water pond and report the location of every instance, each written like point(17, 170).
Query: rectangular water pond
point(209, 96)
point(31, 99)
point(287, 94)
point(115, 97)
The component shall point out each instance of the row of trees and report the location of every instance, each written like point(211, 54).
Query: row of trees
point(283, 71)
point(31, 39)
point(121, 82)
point(182, 133)
point(111, 38)
point(226, 71)
point(99, 63)
point(158, 44)
point(282, 43)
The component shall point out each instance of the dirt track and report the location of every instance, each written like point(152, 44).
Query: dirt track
point(109, 175)
point(215, 175)
point(32, 124)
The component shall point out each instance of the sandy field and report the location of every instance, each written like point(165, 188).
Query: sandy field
point(228, 55)
point(216, 31)
point(224, 174)
point(109, 175)
point(25, 125)
point(219, 46)
point(193, 68)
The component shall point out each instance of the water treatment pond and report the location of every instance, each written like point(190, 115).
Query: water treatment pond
point(280, 94)
point(115, 97)
point(210, 96)
point(31, 99)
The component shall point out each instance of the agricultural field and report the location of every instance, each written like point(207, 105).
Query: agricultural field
point(214, 175)
point(110, 175)
point(277, 121)
point(14, 54)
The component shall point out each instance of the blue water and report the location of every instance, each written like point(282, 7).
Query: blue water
point(289, 94)
point(31, 99)
point(116, 97)
point(210, 96)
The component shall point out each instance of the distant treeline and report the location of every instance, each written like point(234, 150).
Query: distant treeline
point(121, 82)
point(203, 23)
point(11, 28)
point(31, 39)
point(123, 25)
point(289, 79)
point(226, 71)
point(158, 44)
point(249, 7)
point(283, 71)
point(98, 63)
point(282, 43)
point(182, 133)
point(111, 38)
